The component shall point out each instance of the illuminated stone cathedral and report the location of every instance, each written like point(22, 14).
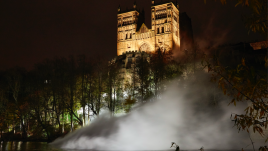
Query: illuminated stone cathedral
point(134, 35)
point(170, 30)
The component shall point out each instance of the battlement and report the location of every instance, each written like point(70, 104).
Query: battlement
point(133, 52)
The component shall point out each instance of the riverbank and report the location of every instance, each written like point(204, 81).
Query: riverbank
point(8, 137)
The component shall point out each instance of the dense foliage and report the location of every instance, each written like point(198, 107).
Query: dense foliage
point(61, 94)
point(244, 82)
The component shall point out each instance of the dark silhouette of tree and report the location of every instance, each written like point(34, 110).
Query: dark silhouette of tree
point(15, 78)
point(82, 83)
point(113, 85)
point(244, 82)
point(143, 73)
point(158, 61)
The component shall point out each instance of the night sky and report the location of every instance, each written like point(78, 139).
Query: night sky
point(33, 30)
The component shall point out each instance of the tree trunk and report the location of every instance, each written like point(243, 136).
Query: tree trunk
point(59, 123)
point(71, 121)
point(88, 117)
point(24, 133)
point(84, 116)
point(83, 100)
point(62, 123)
point(99, 97)
point(71, 106)
point(44, 126)
point(114, 102)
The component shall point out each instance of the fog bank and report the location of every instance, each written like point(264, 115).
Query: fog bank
point(185, 114)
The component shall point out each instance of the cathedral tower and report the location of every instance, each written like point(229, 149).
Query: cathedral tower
point(165, 24)
point(127, 24)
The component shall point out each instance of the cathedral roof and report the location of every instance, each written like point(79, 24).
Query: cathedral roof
point(143, 29)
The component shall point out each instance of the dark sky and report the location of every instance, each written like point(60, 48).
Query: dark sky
point(33, 30)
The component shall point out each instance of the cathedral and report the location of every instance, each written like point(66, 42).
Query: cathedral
point(134, 35)
point(170, 30)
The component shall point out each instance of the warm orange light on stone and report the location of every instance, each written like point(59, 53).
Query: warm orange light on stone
point(259, 45)
point(164, 32)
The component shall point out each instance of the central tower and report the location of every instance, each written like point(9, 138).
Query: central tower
point(134, 36)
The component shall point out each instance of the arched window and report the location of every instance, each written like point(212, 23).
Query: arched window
point(163, 30)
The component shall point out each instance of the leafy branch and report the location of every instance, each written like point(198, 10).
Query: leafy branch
point(244, 83)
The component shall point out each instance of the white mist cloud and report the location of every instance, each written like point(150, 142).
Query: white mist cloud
point(183, 115)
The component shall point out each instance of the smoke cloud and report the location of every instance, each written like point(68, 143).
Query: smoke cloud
point(184, 115)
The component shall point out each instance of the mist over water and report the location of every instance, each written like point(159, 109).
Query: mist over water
point(184, 115)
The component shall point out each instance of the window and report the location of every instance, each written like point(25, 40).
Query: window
point(126, 36)
point(163, 30)
point(175, 18)
point(157, 30)
point(130, 36)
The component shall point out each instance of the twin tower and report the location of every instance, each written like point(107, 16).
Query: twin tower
point(133, 35)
